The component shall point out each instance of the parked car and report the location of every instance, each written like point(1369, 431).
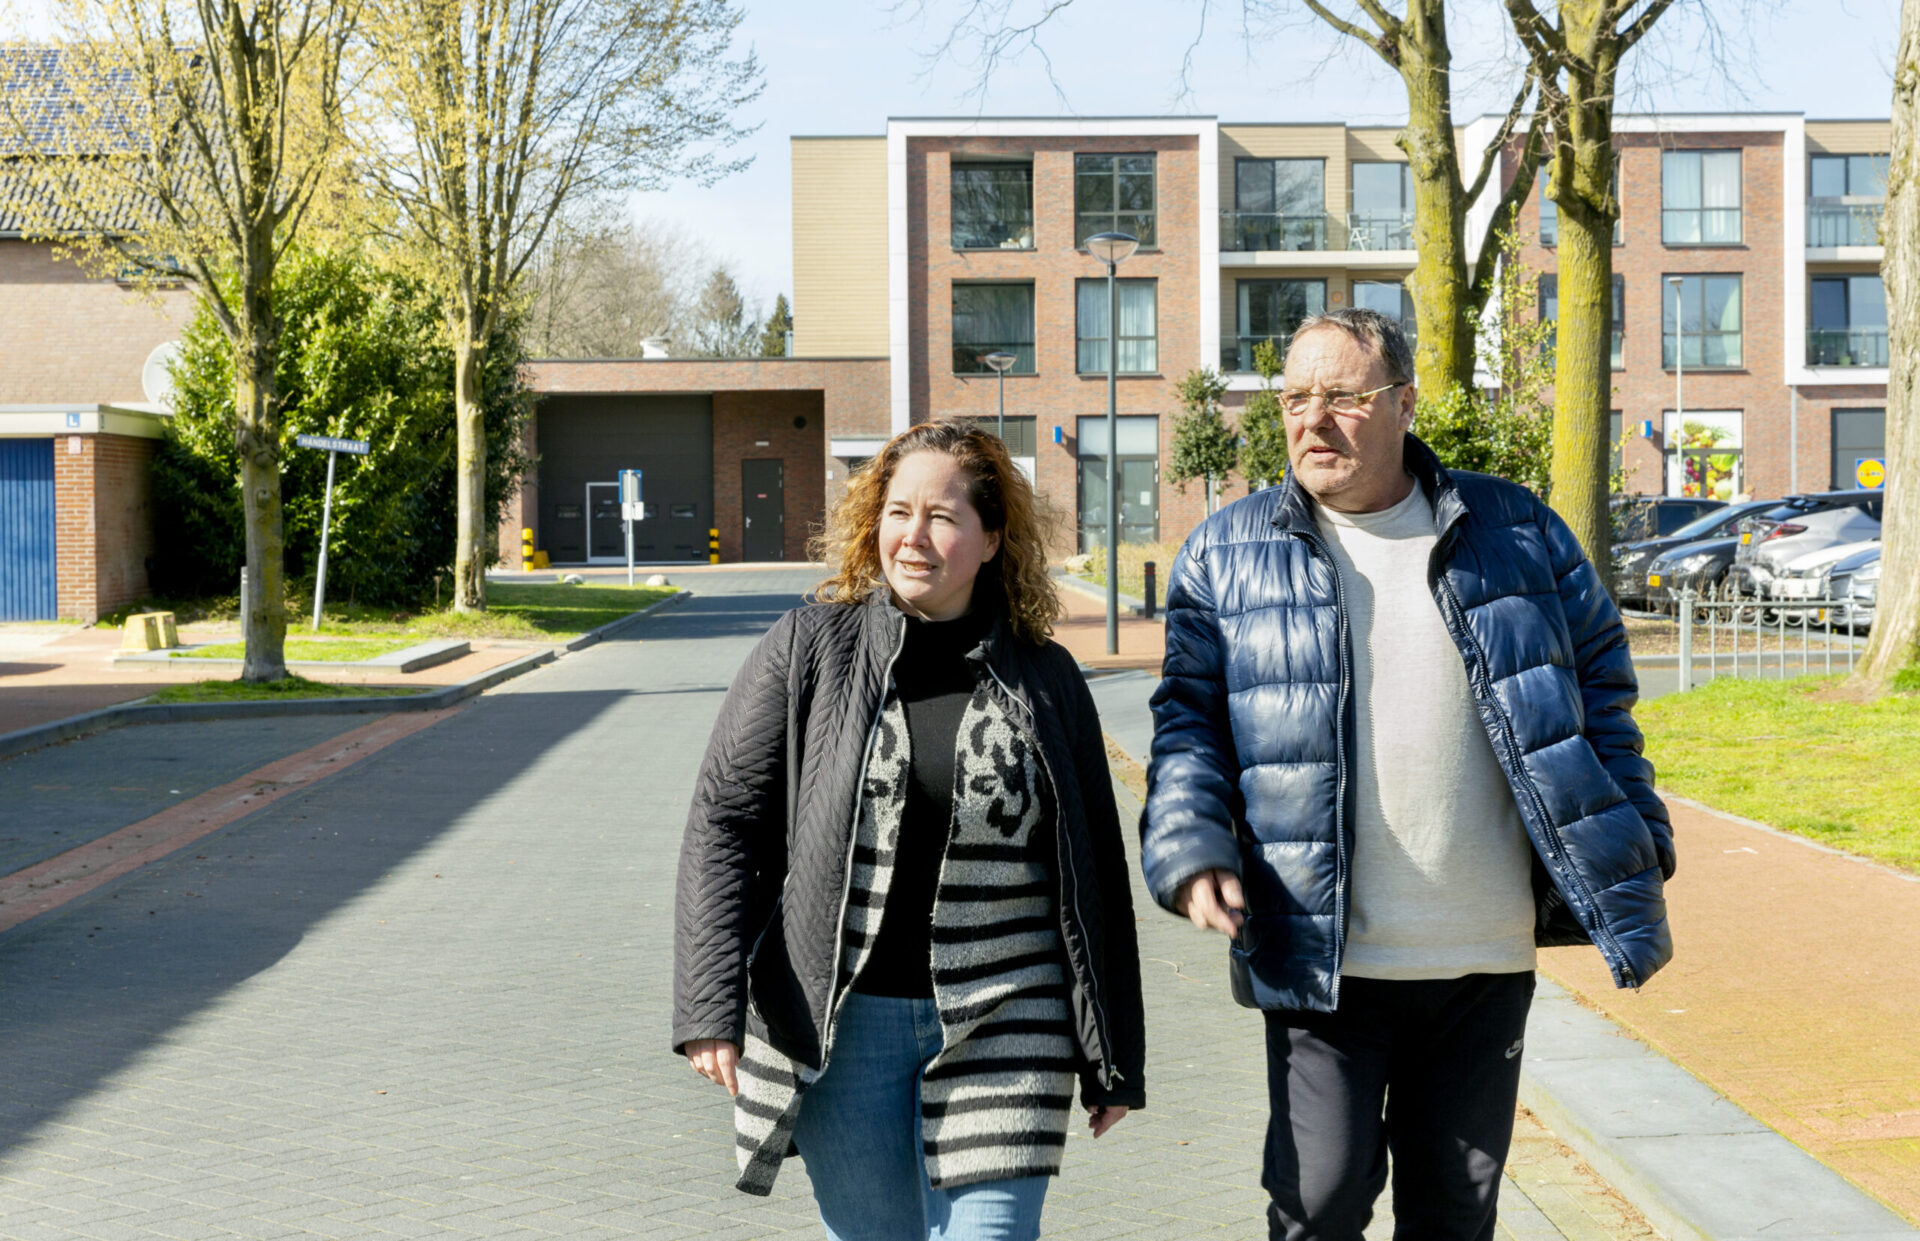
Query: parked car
point(1855, 581)
point(1808, 577)
point(1768, 545)
point(1651, 517)
point(1633, 561)
point(1697, 566)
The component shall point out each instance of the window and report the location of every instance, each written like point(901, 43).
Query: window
point(1279, 204)
point(993, 206)
point(1137, 456)
point(1859, 435)
point(1113, 194)
point(1700, 198)
point(1847, 322)
point(1382, 216)
point(1550, 211)
point(1615, 434)
point(1018, 437)
point(1550, 312)
point(1390, 298)
point(1709, 329)
point(1704, 454)
point(1270, 310)
point(1139, 326)
point(988, 318)
point(1846, 195)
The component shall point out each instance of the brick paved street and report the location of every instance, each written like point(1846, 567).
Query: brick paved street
point(428, 997)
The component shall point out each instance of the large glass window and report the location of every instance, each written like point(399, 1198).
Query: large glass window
point(1382, 216)
point(1139, 327)
point(1846, 195)
point(1270, 310)
point(1019, 437)
point(1549, 300)
point(1859, 436)
point(1700, 198)
point(1704, 454)
point(1137, 453)
point(1113, 194)
point(992, 206)
point(1390, 298)
point(988, 318)
point(1847, 321)
point(1278, 204)
point(1708, 334)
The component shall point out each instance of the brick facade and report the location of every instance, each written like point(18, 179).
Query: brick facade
point(785, 426)
point(103, 521)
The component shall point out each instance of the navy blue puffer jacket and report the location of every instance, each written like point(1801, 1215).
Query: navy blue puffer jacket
point(1254, 725)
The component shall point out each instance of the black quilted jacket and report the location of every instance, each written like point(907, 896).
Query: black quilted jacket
point(763, 866)
point(1253, 729)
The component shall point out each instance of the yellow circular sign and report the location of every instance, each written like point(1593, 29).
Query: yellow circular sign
point(1870, 472)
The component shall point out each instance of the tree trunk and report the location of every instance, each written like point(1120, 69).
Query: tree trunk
point(1443, 358)
point(1583, 370)
point(256, 435)
point(470, 551)
point(1896, 626)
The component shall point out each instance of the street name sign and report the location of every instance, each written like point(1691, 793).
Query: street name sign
point(332, 443)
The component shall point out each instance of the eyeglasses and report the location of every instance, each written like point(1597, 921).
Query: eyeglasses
point(1298, 403)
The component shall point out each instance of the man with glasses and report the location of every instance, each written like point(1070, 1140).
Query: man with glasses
point(1393, 752)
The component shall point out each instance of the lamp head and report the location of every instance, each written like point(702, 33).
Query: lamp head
point(1112, 247)
point(999, 360)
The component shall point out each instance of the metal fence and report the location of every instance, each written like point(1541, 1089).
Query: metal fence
point(1738, 634)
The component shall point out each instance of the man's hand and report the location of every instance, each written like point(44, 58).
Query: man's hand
point(1100, 1119)
point(715, 1060)
point(1213, 899)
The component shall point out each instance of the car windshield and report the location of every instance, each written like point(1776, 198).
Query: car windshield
point(1710, 522)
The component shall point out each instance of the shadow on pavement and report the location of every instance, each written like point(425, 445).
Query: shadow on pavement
point(90, 986)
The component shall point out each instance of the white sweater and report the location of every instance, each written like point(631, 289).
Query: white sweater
point(1442, 867)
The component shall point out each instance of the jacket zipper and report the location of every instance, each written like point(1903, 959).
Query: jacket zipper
point(1073, 879)
point(1341, 741)
point(1557, 847)
point(853, 839)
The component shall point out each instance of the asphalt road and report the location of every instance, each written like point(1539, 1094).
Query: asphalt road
point(428, 996)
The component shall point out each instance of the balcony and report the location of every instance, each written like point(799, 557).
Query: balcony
point(1859, 346)
point(1836, 222)
point(1236, 352)
point(1246, 231)
point(1380, 230)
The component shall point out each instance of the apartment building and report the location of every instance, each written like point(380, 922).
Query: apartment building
point(1750, 349)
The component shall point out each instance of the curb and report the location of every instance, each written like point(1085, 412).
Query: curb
point(1695, 1163)
point(22, 740)
point(1127, 602)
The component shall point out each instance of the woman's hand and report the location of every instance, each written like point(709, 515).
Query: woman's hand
point(1101, 1119)
point(715, 1060)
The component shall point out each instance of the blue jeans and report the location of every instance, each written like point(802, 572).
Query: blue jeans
point(859, 1133)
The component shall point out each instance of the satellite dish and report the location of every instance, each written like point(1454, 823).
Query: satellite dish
point(156, 377)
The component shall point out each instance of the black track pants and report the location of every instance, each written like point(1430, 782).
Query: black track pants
point(1428, 1070)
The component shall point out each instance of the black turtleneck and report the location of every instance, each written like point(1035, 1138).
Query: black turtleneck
point(936, 682)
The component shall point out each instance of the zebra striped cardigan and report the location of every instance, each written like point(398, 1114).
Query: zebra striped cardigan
point(996, 1101)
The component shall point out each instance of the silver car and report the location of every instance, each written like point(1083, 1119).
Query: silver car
point(1855, 586)
point(1767, 556)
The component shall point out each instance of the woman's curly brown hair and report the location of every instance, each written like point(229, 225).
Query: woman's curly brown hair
point(1000, 493)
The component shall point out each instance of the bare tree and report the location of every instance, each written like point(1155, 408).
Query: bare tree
point(1577, 59)
point(174, 140)
point(1895, 646)
point(604, 290)
point(487, 117)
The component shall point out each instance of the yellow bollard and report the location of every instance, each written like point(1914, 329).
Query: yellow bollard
point(526, 549)
point(713, 547)
point(149, 631)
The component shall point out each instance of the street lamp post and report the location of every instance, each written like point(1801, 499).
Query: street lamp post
point(1001, 361)
point(1679, 369)
point(1113, 249)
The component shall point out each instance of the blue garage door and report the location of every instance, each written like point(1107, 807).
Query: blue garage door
point(27, 531)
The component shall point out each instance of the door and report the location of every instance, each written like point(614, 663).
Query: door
point(1139, 501)
point(28, 583)
point(763, 509)
point(606, 535)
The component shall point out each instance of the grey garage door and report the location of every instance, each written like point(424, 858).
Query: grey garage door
point(585, 441)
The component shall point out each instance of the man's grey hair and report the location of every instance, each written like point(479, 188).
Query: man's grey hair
point(1372, 331)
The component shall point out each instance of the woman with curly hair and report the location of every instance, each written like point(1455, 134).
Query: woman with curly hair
point(904, 929)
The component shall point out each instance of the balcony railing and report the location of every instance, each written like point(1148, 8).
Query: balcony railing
point(1833, 222)
point(1859, 346)
point(1267, 230)
point(1236, 352)
point(1380, 230)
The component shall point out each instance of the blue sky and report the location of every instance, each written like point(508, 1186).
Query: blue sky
point(844, 66)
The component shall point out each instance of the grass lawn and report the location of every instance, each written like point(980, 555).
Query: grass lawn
point(1133, 568)
point(342, 650)
point(1800, 755)
point(291, 687)
point(529, 611)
